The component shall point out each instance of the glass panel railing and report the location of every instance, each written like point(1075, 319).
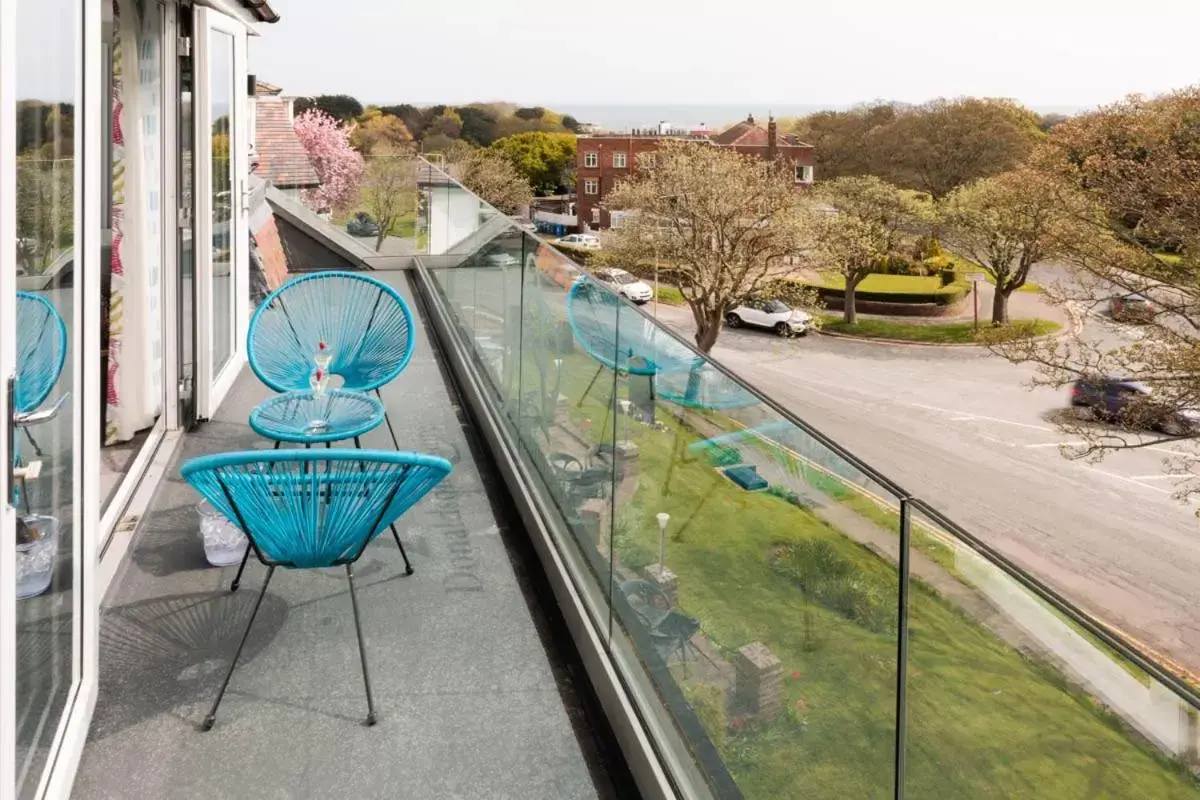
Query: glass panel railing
point(746, 572)
point(1006, 693)
point(761, 586)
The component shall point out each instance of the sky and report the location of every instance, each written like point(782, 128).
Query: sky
point(1045, 53)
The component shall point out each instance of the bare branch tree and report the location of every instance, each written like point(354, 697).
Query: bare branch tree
point(723, 222)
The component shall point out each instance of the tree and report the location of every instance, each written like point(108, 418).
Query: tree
point(387, 192)
point(840, 138)
point(45, 207)
point(341, 107)
point(456, 151)
point(478, 126)
point(379, 131)
point(724, 221)
point(1048, 122)
point(944, 144)
point(448, 124)
point(536, 112)
point(1129, 177)
point(867, 226)
point(544, 159)
point(410, 115)
point(1004, 225)
point(490, 175)
point(338, 165)
point(570, 123)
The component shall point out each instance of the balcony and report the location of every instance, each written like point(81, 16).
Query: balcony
point(672, 581)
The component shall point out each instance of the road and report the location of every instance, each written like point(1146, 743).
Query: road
point(962, 429)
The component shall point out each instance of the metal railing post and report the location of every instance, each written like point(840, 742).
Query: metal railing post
point(902, 648)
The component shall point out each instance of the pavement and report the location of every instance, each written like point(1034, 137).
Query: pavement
point(962, 429)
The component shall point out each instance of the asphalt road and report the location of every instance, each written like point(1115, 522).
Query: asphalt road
point(962, 429)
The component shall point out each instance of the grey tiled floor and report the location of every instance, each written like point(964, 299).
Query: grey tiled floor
point(475, 698)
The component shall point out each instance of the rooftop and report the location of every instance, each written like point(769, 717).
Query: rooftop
point(282, 160)
point(480, 693)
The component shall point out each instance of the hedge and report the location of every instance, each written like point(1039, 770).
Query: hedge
point(946, 296)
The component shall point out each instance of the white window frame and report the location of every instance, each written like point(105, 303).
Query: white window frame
point(595, 215)
point(620, 154)
point(804, 173)
point(591, 159)
point(8, 358)
point(591, 186)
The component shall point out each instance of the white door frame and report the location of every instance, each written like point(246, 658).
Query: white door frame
point(212, 385)
point(8, 357)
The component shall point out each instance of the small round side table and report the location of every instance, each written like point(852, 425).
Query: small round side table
point(301, 417)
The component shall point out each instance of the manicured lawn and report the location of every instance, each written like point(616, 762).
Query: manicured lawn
point(670, 295)
point(961, 265)
point(984, 721)
point(937, 333)
point(891, 284)
point(1170, 258)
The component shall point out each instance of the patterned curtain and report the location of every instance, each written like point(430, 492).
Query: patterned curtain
point(134, 380)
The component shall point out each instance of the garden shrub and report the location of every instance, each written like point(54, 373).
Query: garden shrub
point(832, 580)
point(708, 702)
point(635, 553)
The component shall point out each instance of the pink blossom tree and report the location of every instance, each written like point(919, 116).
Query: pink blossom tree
point(338, 165)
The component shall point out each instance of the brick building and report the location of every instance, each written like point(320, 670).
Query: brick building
point(605, 158)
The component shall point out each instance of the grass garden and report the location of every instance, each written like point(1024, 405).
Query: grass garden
point(939, 332)
point(984, 719)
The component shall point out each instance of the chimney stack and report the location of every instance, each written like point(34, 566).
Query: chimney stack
point(772, 139)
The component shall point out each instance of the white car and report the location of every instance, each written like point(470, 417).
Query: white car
point(625, 284)
point(500, 258)
point(772, 314)
point(585, 240)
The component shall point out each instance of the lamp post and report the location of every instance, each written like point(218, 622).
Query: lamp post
point(663, 518)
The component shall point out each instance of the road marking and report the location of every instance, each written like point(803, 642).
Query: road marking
point(1160, 477)
point(1127, 480)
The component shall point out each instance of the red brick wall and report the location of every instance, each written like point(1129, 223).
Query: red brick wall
point(608, 175)
point(270, 248)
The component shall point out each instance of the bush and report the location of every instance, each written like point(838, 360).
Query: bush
point(899, 264)
point(708, 701)
point(580, 255)
point(863, 596)
point(945, 296)
point(926, 248)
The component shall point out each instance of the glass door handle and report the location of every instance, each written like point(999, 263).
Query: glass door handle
point(10, 439)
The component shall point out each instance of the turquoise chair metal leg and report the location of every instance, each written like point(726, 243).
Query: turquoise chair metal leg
point(388, 420)
point(362, 649)
point(408, 568)
point(237, 579)
point(212, 715)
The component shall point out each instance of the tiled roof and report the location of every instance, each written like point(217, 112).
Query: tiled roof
point(261, 88)
point(281, 157)
point(750, 134)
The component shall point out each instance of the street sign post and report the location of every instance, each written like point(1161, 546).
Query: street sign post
point(975, 278)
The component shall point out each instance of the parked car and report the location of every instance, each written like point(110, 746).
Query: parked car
point(362, 224)
point(1130, 403)
point(584, 240)
point(1131, 308)
point(500, 258)
point(625, 284)
point(773, 314)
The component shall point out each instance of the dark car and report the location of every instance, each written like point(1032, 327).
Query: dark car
point(361, 224)
point(1129, 403)
point(1131, 308)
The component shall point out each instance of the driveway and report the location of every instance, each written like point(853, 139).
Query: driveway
point(960, 428)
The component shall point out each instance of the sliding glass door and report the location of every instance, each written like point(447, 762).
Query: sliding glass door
point(41, 327)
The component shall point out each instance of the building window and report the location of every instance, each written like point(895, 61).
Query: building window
point(591, 186)
point(804, 174)
point(647, 160)
point(596, 215)
point(591, 159)
point(619, 160)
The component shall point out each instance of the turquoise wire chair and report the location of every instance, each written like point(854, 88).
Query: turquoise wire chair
point(41, 354)
point(365, 324)
point(306, 509)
